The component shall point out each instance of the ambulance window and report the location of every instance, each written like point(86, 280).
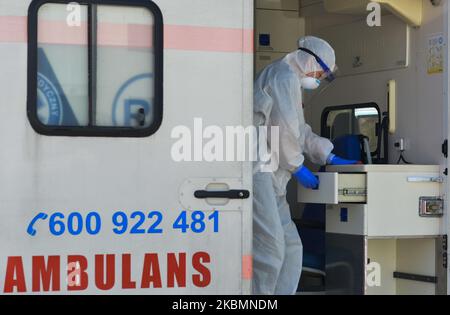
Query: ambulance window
point(125, 92)
point(360, 119)
point(95, 69)
point(62, 68)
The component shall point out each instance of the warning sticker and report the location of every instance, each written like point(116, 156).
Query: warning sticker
point(435, 57)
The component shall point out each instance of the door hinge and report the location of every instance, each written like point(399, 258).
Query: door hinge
point(446, 172)
point(445, 148)
point(445, 251)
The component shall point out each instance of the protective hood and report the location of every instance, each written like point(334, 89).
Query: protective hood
point(303, 63)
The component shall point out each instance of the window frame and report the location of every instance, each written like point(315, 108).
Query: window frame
point(92, 130)
point(353, 107)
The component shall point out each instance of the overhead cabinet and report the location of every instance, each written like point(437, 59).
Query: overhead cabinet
point(408, 10)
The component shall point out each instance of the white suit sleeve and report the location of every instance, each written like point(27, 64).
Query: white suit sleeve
point(287, 97)
point(316, 149)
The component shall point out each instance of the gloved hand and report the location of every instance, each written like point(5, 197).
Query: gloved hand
point(335, 160)
point(307, 178)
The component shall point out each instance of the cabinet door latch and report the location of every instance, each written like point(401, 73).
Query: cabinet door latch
point(445, 148)
point(431, 207)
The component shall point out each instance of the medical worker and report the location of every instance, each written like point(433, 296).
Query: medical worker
point(277, 248)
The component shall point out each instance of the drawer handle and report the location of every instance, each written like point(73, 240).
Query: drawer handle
point(414, 277)
point(425, 179)
point(353, 192)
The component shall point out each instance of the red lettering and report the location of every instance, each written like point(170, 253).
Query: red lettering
point(46, 272)
point(176, 270)
point(127, 283)
point(100, 281)
point(151, 272)
point(76, 274)
point(15, 276)
point(204, 278)
point(46, 275)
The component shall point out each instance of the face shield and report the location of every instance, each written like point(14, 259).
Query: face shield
point(328, 74)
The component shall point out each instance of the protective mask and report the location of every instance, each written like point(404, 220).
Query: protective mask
point(309, 83)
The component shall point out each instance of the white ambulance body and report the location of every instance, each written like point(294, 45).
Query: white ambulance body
point(123, 175)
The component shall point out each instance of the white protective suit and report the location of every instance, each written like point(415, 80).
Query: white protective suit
point(277, 248)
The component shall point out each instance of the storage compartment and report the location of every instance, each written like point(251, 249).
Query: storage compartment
point(403, 267)
point(278, 31)
point(369, 49)
point(408, 10)
point(347, 219)
point(379, 200)
point(278, 26)
point(336, 188)
point(393, 266)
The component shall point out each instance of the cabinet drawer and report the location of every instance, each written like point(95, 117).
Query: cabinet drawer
point(336, 188)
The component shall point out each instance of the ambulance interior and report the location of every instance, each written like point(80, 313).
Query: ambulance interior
point(377, 228)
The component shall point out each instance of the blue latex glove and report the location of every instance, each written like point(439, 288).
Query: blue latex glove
point(307, 178)
point(336, 160)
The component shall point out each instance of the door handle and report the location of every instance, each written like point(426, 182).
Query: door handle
point(425, 179)
point(230, 194)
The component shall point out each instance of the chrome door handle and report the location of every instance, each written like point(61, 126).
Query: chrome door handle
point(230, 194)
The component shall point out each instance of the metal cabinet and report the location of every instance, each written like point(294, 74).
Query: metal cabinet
point(379, 200)
point(382, 219)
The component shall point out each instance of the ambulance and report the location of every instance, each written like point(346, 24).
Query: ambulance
point(109, 184)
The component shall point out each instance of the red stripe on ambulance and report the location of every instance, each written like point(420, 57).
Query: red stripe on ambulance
point(13, 29)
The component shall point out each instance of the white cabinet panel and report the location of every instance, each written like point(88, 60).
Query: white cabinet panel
point(369, 49)
point(263, 59)
point(394, 205)
point(327, 192)
point(278, 31)
point(377, 200)
point(336, 188)
point(347, 219)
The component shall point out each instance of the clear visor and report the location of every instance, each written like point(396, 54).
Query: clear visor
point(329, 74)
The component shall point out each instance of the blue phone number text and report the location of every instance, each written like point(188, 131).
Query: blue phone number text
point(138, 222)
